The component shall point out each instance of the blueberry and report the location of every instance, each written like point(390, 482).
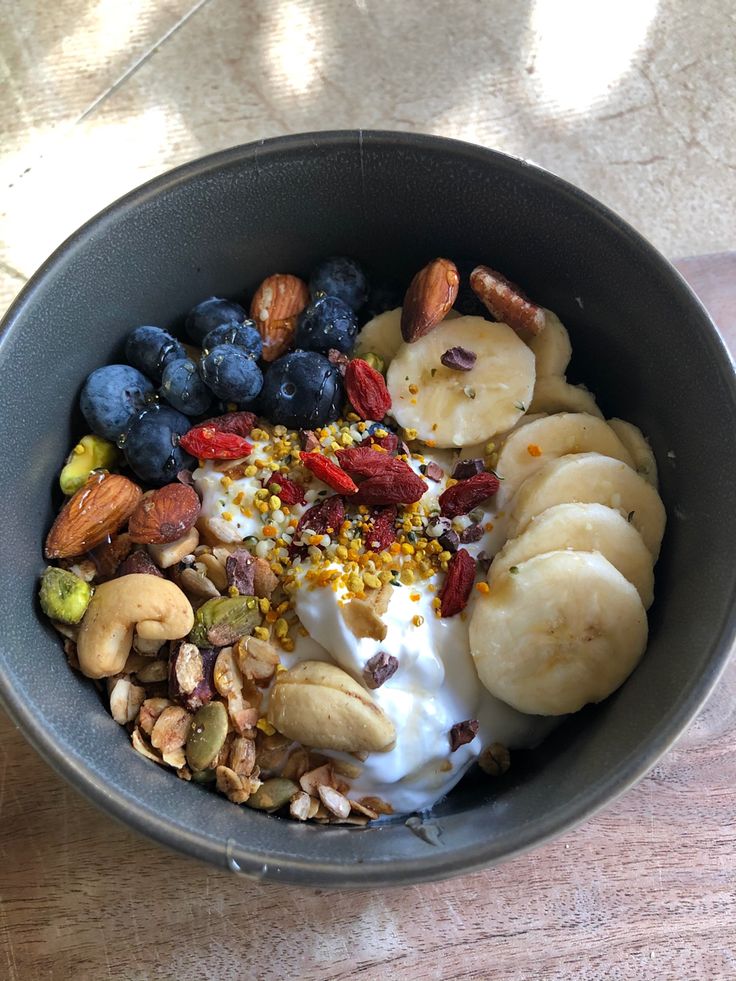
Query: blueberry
point(327, 323)
point(152, 445)
point(182, 387)
point(242, 335)
point(341, 277)
point(302, 390)
point(111, 397)
point(149, 349)
point(212, 313)
point(231, 373)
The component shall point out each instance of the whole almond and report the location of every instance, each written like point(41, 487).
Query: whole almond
point(164, 515)
point(429, 298)
point(96, 512)
point(320, 705)
point(277, 303)
point(506, 302)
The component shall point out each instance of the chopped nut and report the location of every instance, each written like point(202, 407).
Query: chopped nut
point(297, 764)
point(214, 570)
point(464, 469)
point(242, 758)
point(170, 732)
point(433, 471)
point(345, 769)
point(141, 746)
point(311, 781)
point(153, 672)
point(376, 804)
point(338, 359)
point(473, 533)
point(150, 710)
point(309, 441)
point(494, 760)
point(237, 789)
point(459, 359)
point(196, 584)
point(363, 809)
point(125, 700)
point(265, 579)
point(240, 571)
point(300, 806)
point(379, 669)
point(257, 659)
point(229, 683)
point(334, 801)
point(462, 733)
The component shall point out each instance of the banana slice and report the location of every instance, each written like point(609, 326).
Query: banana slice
point(582, 528)
point(586, 478)
point(551, 346)
point(638, 446)
point(566, 629)
point(457, 408)
point(381, 336)
point(476, 450)
point(553, 394)
point(527, 450)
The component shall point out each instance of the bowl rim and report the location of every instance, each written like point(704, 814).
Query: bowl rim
point(438, 863)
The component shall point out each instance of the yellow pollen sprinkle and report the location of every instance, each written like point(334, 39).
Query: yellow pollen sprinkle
point(225, 482)
point(264, 605)
point(413, 389)
point(415, 597)
point(407, 548)
point(261, 633)
point(274, 502)
point(483, 587)
point(417, 620)
point(269, 531)
point(232, 591)
point(250, 471)
point(226, 516)
point(265, 726)
point(410, 434)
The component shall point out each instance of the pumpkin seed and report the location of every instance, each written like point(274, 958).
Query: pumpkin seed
point(207, 732)
point(273, 794)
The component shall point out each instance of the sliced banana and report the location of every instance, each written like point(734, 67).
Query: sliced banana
point(527, 450)
point(551, 346)
point(455, 408)
point(638, 446)
point(582, 528)
point(566, 629)
point(381, 336)
point(476, 450)
point(553, 394)
point(587, 478)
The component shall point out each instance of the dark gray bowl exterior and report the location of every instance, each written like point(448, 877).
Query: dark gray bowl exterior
point(642, 342)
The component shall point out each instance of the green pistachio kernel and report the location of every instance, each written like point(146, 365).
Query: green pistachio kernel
point(64, 596)
point(223, 620)
point(90, 453)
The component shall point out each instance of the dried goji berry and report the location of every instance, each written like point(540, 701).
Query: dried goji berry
point(239, 423)
point(390, 442)
point(366, 390)
point(328, 472)
point(468, 494)
point(397, 484)
point(382, 529)
point(363, 461)
point(324, 518)
point(291, 492)
point(209, 443)
point(458, 584)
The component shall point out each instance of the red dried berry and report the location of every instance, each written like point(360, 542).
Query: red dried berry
point(291, 492)
point(328, 472)
point(396, 485)
point(239, 423)
point(390, 442)
point(209, 443)
point(468, 494)
point(382, 530)
point(366, 390)
point(458, 584)
point(324, 518)
point(362, 462)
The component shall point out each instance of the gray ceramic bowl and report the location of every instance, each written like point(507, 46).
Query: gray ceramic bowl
point(642, 342)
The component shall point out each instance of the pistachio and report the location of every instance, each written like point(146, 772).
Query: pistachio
point(224, 620)
point(207, 732)
point(63, 595)
point(320, 705)
point(273, 794)
point(90, 453)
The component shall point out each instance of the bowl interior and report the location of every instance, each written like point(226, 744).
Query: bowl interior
point(641, 342)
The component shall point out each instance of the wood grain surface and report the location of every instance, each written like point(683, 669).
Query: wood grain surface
point(644, 890)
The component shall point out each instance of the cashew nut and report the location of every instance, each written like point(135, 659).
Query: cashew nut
point(155, 607)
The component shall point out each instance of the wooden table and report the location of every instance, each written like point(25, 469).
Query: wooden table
point(644, 890)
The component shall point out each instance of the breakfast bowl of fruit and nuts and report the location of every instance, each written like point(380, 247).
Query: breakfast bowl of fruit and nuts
point(356, 472)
